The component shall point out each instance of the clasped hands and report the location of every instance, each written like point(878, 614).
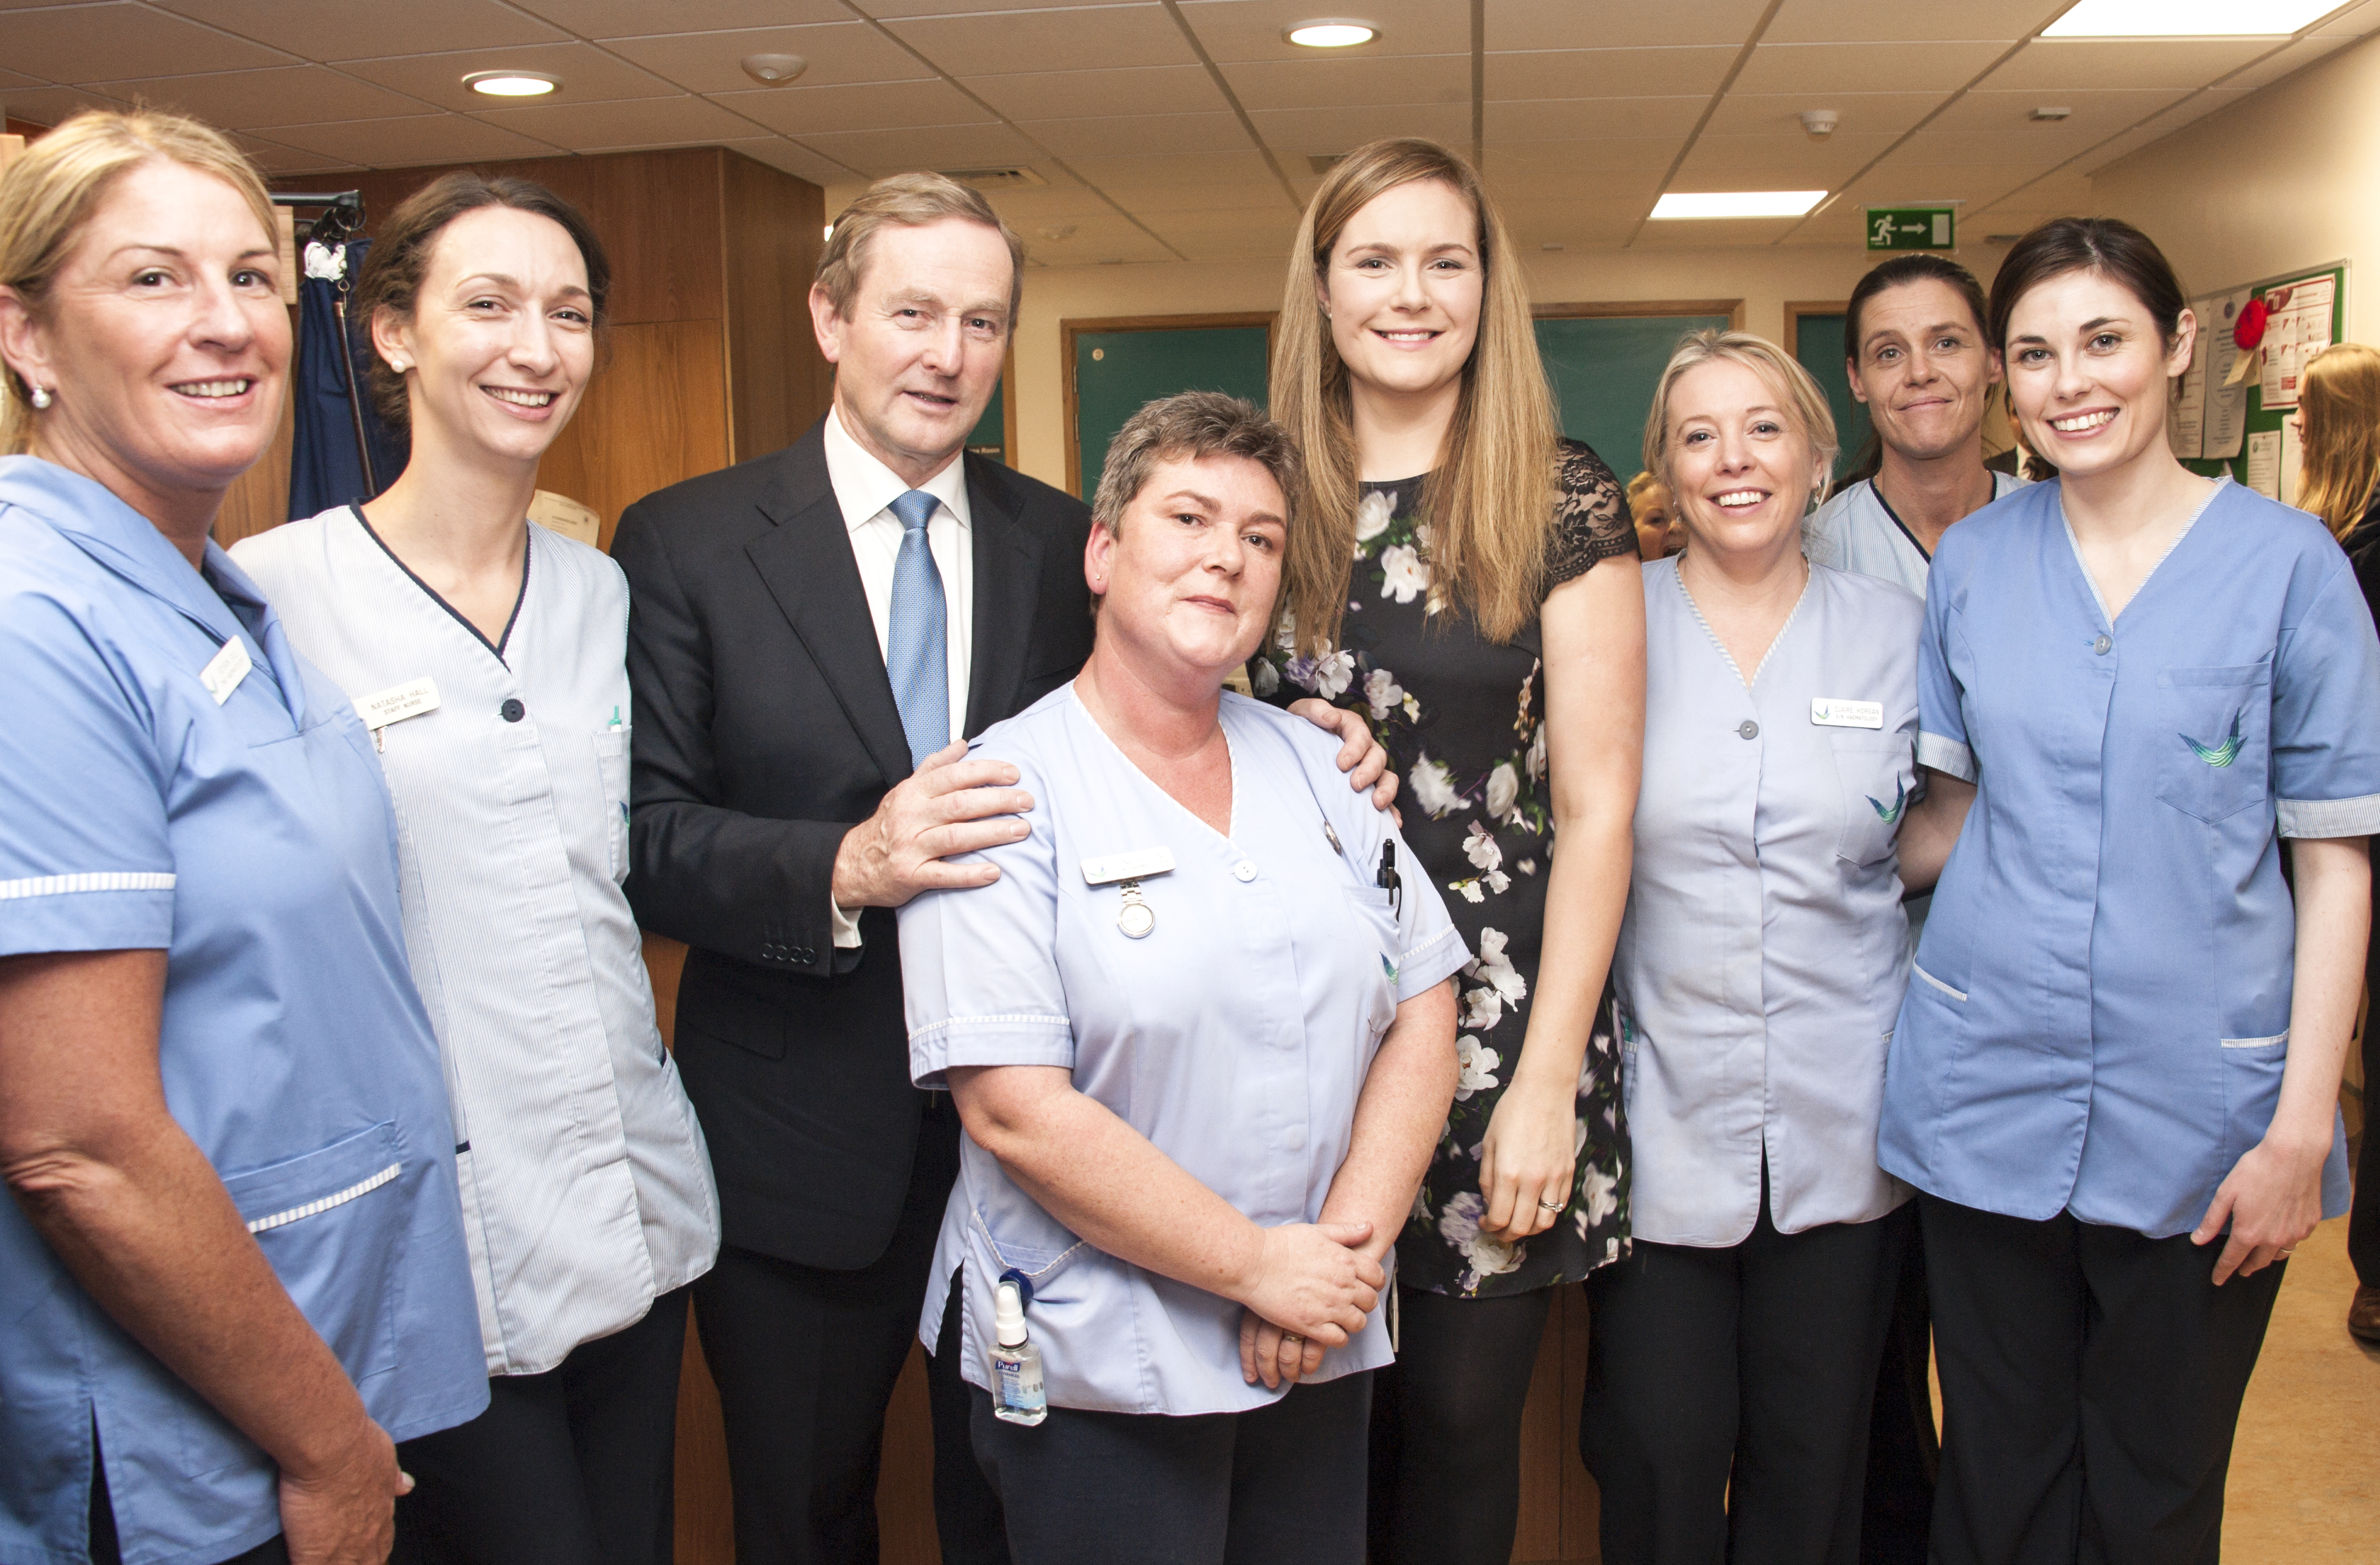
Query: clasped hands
point(1311, 1287)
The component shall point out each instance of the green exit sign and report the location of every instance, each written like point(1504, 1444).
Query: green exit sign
point(1912, 228)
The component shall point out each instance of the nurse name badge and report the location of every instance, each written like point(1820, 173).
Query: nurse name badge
point(1834, 712)
point(1136, 917)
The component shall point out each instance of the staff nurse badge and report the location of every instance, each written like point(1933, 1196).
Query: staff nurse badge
point(1126, 870)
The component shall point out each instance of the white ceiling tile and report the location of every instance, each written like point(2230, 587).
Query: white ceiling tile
point(1695, 233)
point(1026, 209)
point(791, 158)
point(1863, 68)
point(888, 9)
point(633, 19)
point(1177, 175)
point(1618, 24)
point(1162, 89)
point(352, 32)
point(1998, 125)
point(1775, 162)
point(1554, 119)
point(1604, 73)
point(808, 111)
point(398, 143)
point(1345, 81)
point(1148, 199)
point(1233, 31)
point(75, 43)
point(1094, 38)
point(2354, 23)
point(276, 160)
point(1337, 130)
point(9, 79)
point(1746, 113)
point(240, 100)
point(48, 105)
point(838, 53)
point(1565, 162)
point(879, 152)
point(1899, 21)
point(1123, 135)
point(1238, 233)
point(589, 75)
point(638, 122)
point(2071, 64)
point(2284, 62)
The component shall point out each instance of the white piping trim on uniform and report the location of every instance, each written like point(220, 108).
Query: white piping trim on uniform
point(2328, 818)
point(1947, 756)
point(2281, 1036)
point(92, 881)
point(1958, 995)
point(361, 1187)
point(1026, 1019)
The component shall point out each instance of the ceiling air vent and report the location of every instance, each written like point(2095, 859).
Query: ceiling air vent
point(996, 178)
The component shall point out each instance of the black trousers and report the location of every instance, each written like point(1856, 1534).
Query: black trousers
point(1903, 1453)
point(1446, 1427)
point(2091, 1381)
point(1729, 1392)
point(1280, 1486)
point(576, 1466)
point(806, 1361)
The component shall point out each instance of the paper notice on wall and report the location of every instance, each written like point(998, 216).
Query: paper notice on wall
point(2264, 463)
point(2292, 459)
point(2226, 404)
point(2185, 420)
point(2298, 328)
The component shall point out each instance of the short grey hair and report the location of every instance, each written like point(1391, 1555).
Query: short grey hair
point(911, 200)
point(1184, 427)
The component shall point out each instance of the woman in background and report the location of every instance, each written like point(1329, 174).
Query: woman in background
point(2340, 404)
point(487, 655)
point(1469, 579)
point(1660, 531)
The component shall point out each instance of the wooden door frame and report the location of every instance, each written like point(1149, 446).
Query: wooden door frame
point(1623, 309)
point(1068, 330)
point(1796, 309)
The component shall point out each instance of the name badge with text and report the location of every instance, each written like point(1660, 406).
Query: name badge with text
point(1833, 711)
point(1136, 865)
point(394, 705)
point(225, 670)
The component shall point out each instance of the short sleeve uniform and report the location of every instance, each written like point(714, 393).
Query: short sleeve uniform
point(159, 800)
point(2098, 1017)
point(1235, 1034)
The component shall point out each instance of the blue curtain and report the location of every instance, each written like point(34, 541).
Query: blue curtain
point(324, 467)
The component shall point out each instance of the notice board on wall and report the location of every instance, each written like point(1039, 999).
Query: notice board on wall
point(2240, 428)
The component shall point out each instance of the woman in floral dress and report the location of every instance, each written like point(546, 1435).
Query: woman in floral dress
point(1469, 579)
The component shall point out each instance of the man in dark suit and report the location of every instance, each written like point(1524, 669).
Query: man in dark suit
point(809, 632)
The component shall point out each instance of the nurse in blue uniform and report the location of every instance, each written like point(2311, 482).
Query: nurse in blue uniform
point(1201, 1037)
point(2115, 1078)
point(233, 1270)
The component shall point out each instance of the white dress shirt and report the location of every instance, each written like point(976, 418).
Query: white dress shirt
point(587, 1188)
point(866, 489)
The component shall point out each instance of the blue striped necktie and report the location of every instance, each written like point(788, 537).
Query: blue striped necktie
point(918, 659)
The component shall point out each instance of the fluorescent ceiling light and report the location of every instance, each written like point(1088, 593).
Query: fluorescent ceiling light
point(1737, 204)
point(1331, 35)
point(2187, 18)
point(512, 83)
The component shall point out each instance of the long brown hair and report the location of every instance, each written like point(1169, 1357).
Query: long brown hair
point(1491, 501)
point(2340, 404)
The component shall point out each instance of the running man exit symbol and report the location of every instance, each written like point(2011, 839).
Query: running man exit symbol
point(1912, 228)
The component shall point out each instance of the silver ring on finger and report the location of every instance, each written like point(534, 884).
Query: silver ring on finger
point(1292, 1340)
point(1550, 1206)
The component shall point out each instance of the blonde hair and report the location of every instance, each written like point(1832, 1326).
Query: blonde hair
point(2339, 401)
point(51, 191)
point(1491, 501)
point(910, 201)
point(1797, 393)
point(1642, 482)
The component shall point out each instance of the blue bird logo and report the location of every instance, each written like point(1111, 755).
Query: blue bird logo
point(2223, 754)
point(1888, 814)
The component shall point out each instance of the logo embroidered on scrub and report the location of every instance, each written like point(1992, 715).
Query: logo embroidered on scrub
point(1899, 797)
point(2223, 754)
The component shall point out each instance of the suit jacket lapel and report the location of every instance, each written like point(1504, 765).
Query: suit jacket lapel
point(1007, 566)
point(807, 563)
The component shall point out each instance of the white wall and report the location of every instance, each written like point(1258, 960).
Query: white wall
point(1765, 277)
point(2288, 178)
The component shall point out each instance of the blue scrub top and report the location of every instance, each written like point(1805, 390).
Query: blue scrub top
point(1235, 1035)
point(2099, 1014)
point(249, 839)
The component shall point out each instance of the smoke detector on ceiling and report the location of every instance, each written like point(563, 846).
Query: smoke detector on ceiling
point(1819, 124)
point(773, 70)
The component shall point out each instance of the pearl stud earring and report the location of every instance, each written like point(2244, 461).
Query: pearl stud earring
point(41, 397)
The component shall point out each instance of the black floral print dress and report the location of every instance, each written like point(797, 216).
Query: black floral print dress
point(1463, 721)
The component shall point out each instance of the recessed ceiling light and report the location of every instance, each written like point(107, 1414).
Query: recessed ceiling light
point(512, 83)
point(2187, 18)
point(1331, 35)
point(1737, 204)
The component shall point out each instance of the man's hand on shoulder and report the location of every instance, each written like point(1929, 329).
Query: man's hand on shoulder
point(949, 806)
point(1360, 756)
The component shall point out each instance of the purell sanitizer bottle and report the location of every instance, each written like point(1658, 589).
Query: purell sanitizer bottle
point(1016, 1391)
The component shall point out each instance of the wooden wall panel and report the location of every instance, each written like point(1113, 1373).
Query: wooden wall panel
point(655, 414)
point(774, 224)
point(259, 498)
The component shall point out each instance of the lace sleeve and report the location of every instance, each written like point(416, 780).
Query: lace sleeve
point(1591, 520)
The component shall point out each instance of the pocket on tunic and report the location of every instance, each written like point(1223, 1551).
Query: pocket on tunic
point(331, 1223)
point(2252, 1091)
point(612, 761)
point(1376, 915)
point(1875, 773)
point(2212, 738)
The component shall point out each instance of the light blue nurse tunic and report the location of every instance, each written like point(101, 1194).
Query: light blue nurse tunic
point(2099, 1012)
point(243, 830)
point(1235, 1035)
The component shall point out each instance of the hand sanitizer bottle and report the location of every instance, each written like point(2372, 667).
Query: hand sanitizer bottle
point(1017, 1394)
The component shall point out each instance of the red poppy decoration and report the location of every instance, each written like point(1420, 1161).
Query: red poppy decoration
point(2250, 329)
